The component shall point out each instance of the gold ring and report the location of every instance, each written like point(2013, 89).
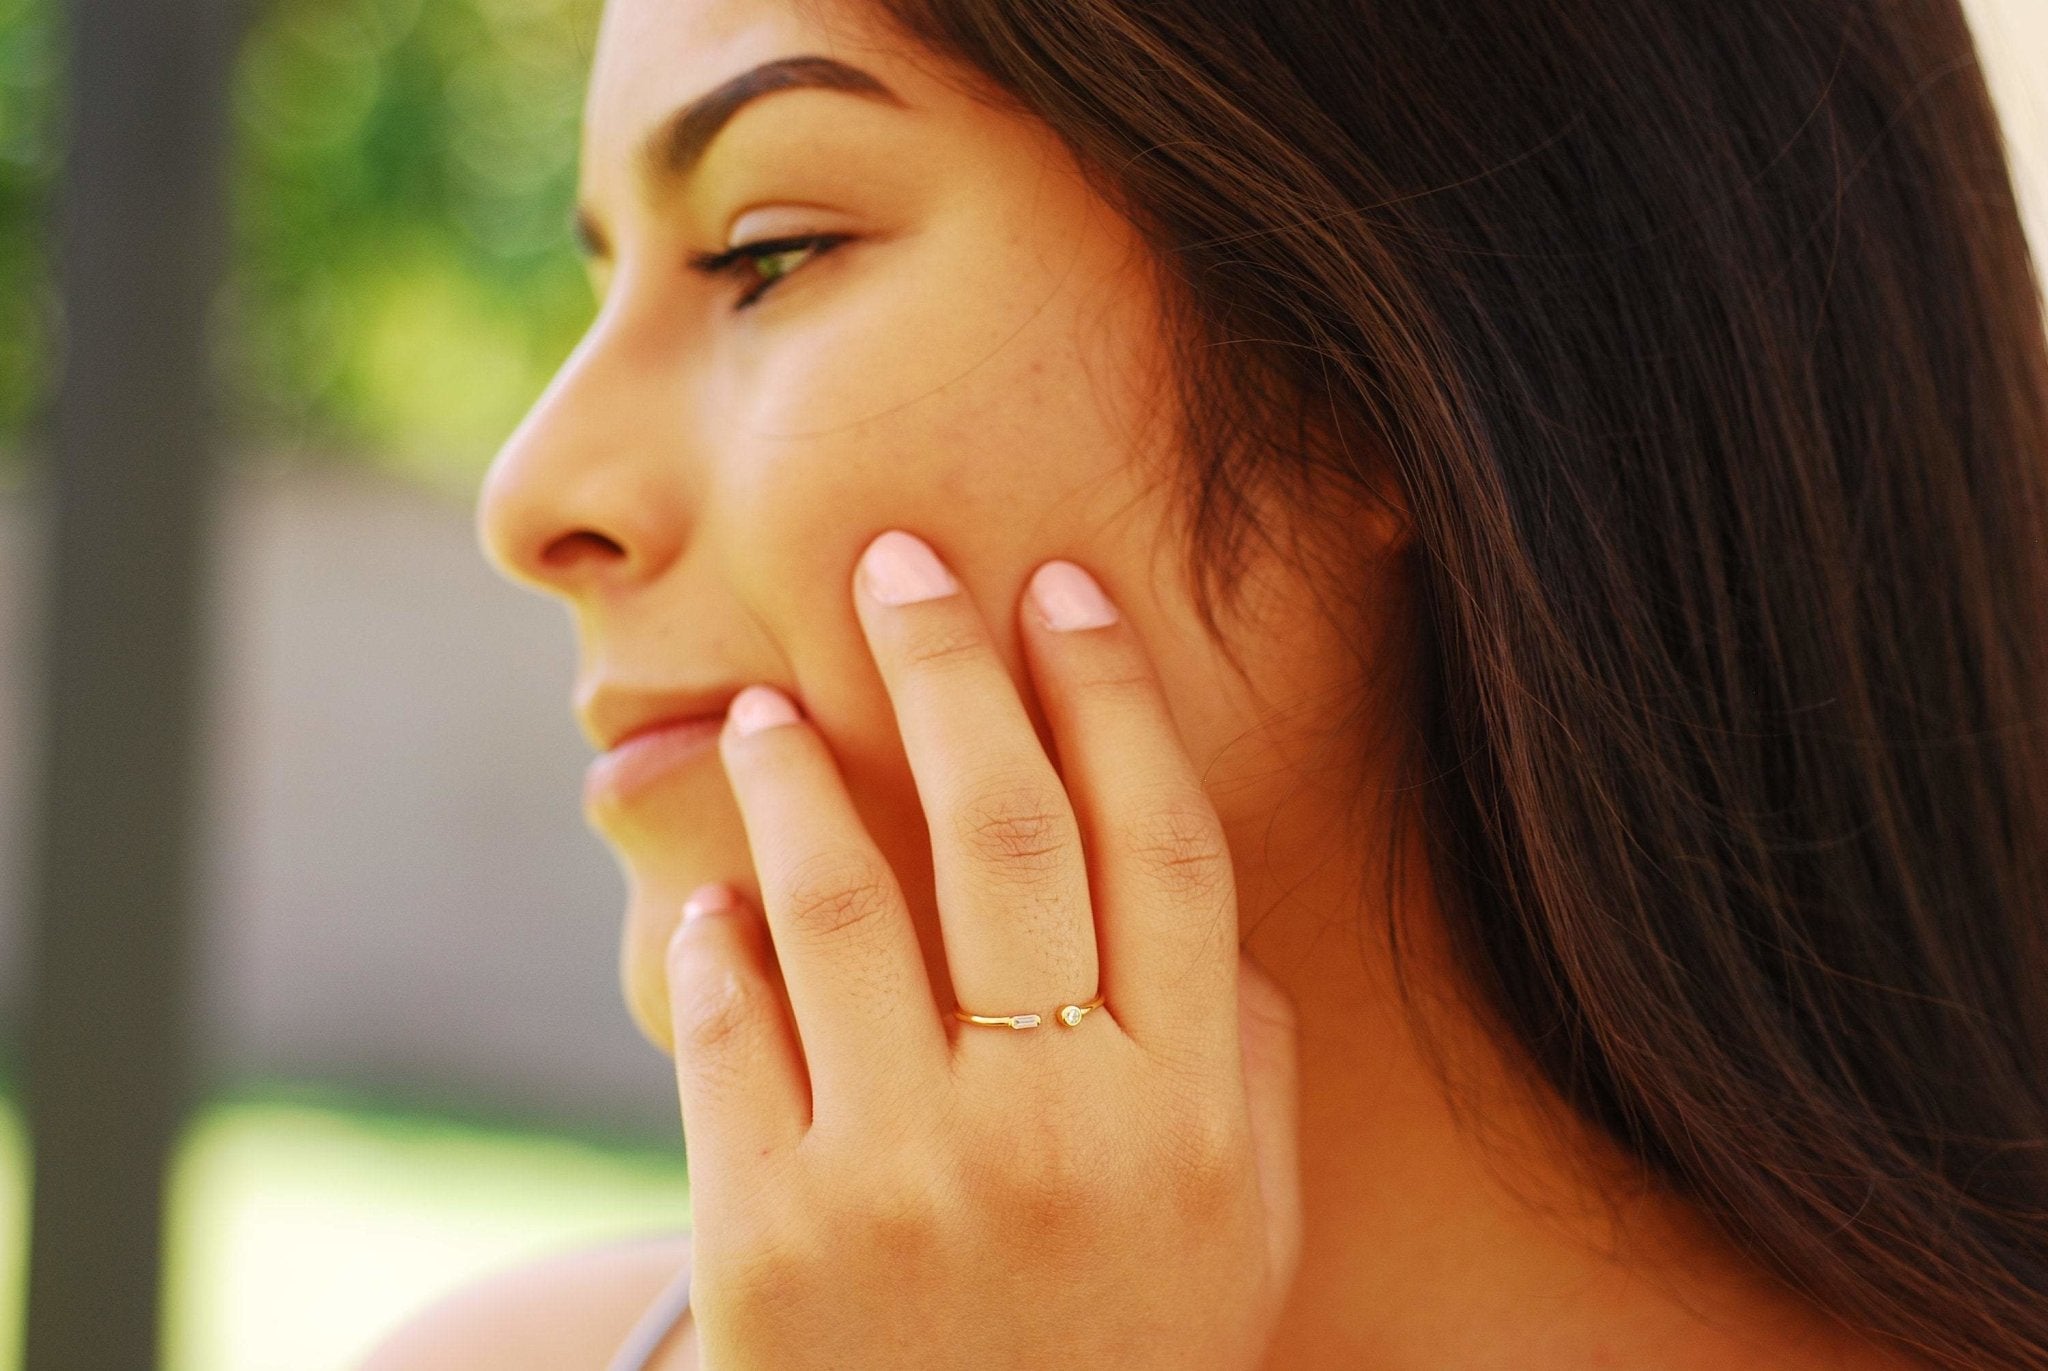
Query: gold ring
point(1069, 1014)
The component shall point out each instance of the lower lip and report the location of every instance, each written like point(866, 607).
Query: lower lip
point(645, 757)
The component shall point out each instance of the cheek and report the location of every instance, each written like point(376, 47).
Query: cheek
point(1003, 424)
point(996, 451)
point(1000, 467)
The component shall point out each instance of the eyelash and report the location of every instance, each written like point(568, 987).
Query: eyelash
point(738, 261)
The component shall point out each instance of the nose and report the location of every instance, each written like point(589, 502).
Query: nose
point(586, 493)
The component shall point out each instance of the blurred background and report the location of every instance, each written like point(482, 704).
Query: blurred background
point(413, 1064)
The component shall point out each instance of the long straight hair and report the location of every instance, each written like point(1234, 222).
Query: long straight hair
point(1705, 348)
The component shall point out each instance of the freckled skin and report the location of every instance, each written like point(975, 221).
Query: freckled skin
point(983, 364)
point(979, 365)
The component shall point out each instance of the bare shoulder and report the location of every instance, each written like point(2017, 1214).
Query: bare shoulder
point(570, 1309)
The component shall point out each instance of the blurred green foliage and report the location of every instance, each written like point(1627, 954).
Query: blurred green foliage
point(27, 171)
point(403, 278)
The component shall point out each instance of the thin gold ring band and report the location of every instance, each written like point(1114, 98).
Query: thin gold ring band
point(1069, 1014)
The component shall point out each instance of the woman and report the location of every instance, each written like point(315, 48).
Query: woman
point(1539, 805)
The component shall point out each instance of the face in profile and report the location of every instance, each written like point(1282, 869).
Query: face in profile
point(963, 341)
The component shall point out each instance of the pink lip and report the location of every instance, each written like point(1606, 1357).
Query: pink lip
point(644, 757)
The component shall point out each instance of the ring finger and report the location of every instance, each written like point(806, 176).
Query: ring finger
point(1007, 865)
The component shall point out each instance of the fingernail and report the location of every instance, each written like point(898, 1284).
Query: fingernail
point(708, 900)
point(758, 707)
point(1067, 598)
point(899, 570)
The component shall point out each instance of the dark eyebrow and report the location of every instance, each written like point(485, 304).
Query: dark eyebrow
point(678, 143)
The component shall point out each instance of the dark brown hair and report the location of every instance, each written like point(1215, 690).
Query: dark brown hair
point(1704, 346)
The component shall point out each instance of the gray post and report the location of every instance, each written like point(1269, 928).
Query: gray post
point(107, 1069)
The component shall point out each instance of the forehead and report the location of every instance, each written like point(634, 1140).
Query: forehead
point(654, 55)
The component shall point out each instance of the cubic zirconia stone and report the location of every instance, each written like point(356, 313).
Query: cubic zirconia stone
point(1023, 1021)
point(1072, 1014)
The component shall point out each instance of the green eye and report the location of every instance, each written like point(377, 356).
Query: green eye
point(765, 262)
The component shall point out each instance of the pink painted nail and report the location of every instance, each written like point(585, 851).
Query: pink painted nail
point(1067, 598)
point(758, 707)
point(899, 569)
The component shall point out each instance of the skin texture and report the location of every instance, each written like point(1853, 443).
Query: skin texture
point(1107, 1190)
point(982, 364)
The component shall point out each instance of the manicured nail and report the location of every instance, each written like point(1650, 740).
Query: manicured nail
point(758, 707)
point(899, 570)
point(1067, 598)
point(708, 900)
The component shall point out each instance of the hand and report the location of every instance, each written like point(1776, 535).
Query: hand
point(879, 1184)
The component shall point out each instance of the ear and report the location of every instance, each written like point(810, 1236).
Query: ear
point(1383, 519)
point(1356, 483)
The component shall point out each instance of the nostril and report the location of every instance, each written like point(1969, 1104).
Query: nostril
point(572, 548)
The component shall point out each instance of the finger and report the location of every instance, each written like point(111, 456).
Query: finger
point(863, 1003)
point(739, 1070)
point(1007, 866)
point(1268, 1040)
point(1167, 918)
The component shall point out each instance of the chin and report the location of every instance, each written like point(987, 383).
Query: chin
point(644, 983)
point(670, 841)
point(654, 907)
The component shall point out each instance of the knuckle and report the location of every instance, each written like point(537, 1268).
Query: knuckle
point(943, 642)
point(1018, 826)
point(833, 893)
point(1180, 843)
point(712, 1018)
point(1209, 1158)
point(1051, 1182)
point(1201, 1165)
point(906, 1219)
point(1121, 683)
point(770, 1281)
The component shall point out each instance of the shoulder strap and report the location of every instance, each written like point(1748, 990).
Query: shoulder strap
point(663, 1317)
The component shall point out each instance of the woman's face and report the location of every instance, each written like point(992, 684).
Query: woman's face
point(979, 360)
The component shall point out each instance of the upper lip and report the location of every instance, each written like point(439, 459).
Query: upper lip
point(611, 713)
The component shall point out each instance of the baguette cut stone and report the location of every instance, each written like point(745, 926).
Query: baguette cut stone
point(1023, 1021)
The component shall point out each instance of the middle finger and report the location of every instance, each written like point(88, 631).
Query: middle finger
point(1007, 866)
